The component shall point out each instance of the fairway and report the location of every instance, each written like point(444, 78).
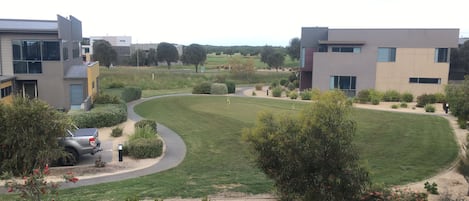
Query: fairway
point(397, 148)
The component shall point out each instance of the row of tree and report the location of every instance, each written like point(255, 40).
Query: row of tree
point(195, 54)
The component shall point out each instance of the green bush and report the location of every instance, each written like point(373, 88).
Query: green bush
point(202, 88)
point(114, 85)
point(391, 96)
point(102, 115)
point(291, 86)
point(273, 84)
point(259, 87)
point(218, 88)
point(315, 94)
point(375, 95)
point(404, 105)
point(253, 93)
point(462, 123)
point(425, 99)
point(116, 132)
point(296, 83)
point(375, 101)
point(306, 94)
point(106, 99)
point(284, 82)
point(429, 108)
point(145, 148)
point(231, 87)
point(146, 132)
point(146, 122)
point(363, 96)
point(277, 92)
point(440, 98)
point(293, 95)
point(394, 106)
point(131, 94)
point(407, 97)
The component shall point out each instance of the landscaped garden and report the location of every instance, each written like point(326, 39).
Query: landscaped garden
point(397, 148)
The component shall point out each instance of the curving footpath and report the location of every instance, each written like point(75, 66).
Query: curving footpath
point(174, 154)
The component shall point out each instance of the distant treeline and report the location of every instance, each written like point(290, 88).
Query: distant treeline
point(244, 50)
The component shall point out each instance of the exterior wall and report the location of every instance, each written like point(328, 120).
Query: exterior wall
point(411, 62)
point(327, 64)
point(93, 85)
point(415, 52)
point(7, 99)
point(66, 85)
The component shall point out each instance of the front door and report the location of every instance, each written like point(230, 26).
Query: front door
point(29, 89)
point(76, 96)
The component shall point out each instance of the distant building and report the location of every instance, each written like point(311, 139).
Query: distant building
point(405, 60)
point(41, 59)
point(120, 43)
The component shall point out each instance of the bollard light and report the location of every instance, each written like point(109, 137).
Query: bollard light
point(119, 148)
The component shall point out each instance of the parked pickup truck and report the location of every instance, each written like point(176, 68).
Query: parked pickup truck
point(78, 142)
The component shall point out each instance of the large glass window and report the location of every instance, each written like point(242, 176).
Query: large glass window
point(421, 80)
point(29, 54)
point(6, 91)
point(441, 55)
point(386, 54)
point(346, 49)
point(344, 83)
point(51, 51)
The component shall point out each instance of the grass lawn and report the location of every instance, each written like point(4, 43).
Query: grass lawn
point(398, 148)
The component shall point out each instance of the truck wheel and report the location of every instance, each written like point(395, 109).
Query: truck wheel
point(72, 158)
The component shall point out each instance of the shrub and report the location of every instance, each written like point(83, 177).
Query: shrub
point(306, 94)
point(231, 86)
point(131, 93)
point(296, 83)
point(291, 86)
point(218, 88)
point(375, 101)
point(116, 132)
point(440, 98)
point(315, 93)
point(102, 115)
point(363, 96)
point(277, 92)
point(391, 96)
point(284, 82)
point(425, 99)
point(253, 93)
point(145, 148)
point(429, 108)
point(202, 88)
point(378, 96)
point(462, 123)
point(146, 132)
point(431, 188)
point(407, 97)
point(394, 106)
point(114, 85)
point(403, 105)
point(106, 99)
point(147, 122)
point(259, 87)
point(293, 95)
point(273, 84)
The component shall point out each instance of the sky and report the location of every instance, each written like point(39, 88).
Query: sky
point(239, 22)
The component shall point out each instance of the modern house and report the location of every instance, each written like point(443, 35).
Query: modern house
point(405, 60)
point(41, 59)
point(121, 44)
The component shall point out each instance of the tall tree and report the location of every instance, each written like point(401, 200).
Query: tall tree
point(167, 52)
point(294, 49)
point(266, 52)
point(28, 135)
point(311, 157)
point(152, 58)
point(140, 57)
point(459, 63)
point(194, 54)
point(275, 60)
point(104, 53)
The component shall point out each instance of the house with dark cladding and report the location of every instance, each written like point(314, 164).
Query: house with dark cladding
point(41, 59)
point(405, 60)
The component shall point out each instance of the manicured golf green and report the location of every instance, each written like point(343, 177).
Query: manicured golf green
point(397, 148)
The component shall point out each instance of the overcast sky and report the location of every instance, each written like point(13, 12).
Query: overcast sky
point(239, 22)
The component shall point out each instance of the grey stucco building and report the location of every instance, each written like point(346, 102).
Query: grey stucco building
point(405, 60)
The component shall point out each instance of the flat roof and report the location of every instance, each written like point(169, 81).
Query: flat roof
point(18, 25)
point(337, 42)
point(77, 71)
point(4, 78)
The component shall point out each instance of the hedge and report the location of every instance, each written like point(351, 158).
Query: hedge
point(131, 93)
point(202, 88)
point(231, 87)
point(145, 148)
point(218, 88)
point(102, 115)
point(146, 122)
